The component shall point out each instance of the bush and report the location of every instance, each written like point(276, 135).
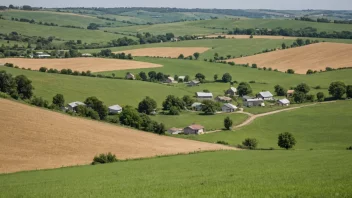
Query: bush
point(337, 89)
point(39, 102)
point(250, 143)
point(320, 96)
point(280, 91)
point(226, 78)
point(310, 98)
point(222, 142)
point(349, 148)
point(290, 71)
point(104, 158)
point(228, 123)
point(286, 140)
point(174, 111)
point(43, 69)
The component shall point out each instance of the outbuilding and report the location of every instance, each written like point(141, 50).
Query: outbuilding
point(223, 99)
point(130, 76)
point(115, 109)
point(228, 107)
point(73, 105)
point(284, 102)
point(194, 129)
point(266, 95)
point(254, 102)
point(232, 91)
point(204, 95)
point(193, 83)
point(197, 106)
point(174, 131)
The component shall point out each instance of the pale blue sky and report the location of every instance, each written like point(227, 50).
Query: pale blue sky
point(228, 4)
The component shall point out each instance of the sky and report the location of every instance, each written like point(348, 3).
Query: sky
point(227, 4)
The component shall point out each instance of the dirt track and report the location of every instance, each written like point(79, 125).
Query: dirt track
point(33, 138)
point(254, 36)
point(172, 52)
point(315, 56)
point(79, 64)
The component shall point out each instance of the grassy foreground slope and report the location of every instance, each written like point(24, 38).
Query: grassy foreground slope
point(323, 126)
point(122, 92)
point(87, 36)
point(215, 174)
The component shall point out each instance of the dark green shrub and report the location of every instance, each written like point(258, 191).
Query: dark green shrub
point(222, 142)
point(349, 148)
point(43, 69)
point(104, 158)
point(250, 143)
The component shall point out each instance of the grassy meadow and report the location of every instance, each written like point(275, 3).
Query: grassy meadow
point(322, 127)
point(210, 122)
point(224, 47)
point(211, 174)
point(110, 91)
point(58, 18)
point(87, 36)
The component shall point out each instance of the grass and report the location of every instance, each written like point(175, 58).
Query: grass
point(87, 36)
point(224, 47)
point(212, 174)
point(270, 23)
point(210, 122)
point(265, 80)
point(110, 91)
point(323, 126)
point(58, 18)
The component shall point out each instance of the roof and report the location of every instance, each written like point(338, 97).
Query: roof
point(204, 94)
point(195, 127)
point(195, 81)
point(182, 77)
point(234, 89)
point(174, 129)
point(266, 94)
point(290, 91)
point(171, 78)
point(254, 100)
point(116, 107)
point(231, 106)
point(196, 104)
point(224, 98)
point(75, 104)
point(284, 101)
point(247, 97)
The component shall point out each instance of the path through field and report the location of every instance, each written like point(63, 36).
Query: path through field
point(33, 138)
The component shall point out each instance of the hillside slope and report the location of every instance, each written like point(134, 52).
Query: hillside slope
point(33, 138)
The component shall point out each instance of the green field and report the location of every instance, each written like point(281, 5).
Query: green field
point(214, 174)
point(210, 122)
point(88, 36)
point(265, 80)
point(110, 91)
point(270, 23)
point(323, 126)
point(58, 18)
point(224, 47)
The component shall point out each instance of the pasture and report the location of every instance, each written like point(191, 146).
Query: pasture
point(170, 52)
point(45, 139)
point(210, 122)
point(79, 64)
point(59, 18)
point(61, 33)
point(211, 174)
point(110, 91)
point(322, 127)
point(315, 57)
point(224, 47)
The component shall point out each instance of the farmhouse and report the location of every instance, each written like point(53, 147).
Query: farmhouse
point(232, 91)
point(130, 76)
point(197, 106)
point(223, 99)
point(193, 83)
point(254, 102)
point(228, 107)
point(174, 131)
point(182, 77)
point(115, 109)
point(204, 95)
point(194, 129)
point(284, 102)
point(72, 106)
point(290, 93)
point(266, 95)
point(175, 39)
point(41, 55)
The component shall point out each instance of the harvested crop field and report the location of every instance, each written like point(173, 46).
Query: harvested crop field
point(315, 56)
point(79, 64)
point(172, 52)
point(33, 138)
point(254, 36)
